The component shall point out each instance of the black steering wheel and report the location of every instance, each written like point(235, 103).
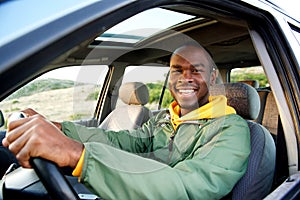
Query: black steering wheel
point(53, 180)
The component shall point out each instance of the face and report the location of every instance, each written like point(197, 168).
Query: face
point(191, 75)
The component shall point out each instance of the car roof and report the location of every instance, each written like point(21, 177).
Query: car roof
point(49, 11)
point(28, 19)
point(52, 20)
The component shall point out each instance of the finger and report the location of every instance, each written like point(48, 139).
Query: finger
point(30, 112)
point(16, 145)
point(24, 157)
point(30, 139)
point(5, 143)
point(18, 128)
point(15, 130)
point(15, 123)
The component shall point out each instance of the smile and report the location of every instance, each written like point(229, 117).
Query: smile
point(187, 91)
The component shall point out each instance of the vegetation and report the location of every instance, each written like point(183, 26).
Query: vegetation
point(93, 96)
point(41, 86)
point(77, 116)
point(252, 73)
point(155, 90)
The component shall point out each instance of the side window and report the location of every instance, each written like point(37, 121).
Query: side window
point(254, 76)
point(154, 78)
point(68, 93)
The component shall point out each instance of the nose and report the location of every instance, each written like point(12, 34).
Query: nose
point(186, 76)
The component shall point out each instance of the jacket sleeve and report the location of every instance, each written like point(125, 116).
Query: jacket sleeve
point(132, 141)
point(210, 173)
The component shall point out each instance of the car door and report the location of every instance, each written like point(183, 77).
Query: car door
point(273, 44)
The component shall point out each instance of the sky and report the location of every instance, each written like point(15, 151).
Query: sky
point(291, 6)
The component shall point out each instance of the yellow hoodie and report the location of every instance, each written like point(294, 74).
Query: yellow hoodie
point(216, 107)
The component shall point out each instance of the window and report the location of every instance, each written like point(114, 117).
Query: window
point(68, 93)
point(297, 35)
point(254, 76)
point(141, 26)
point(154, 77)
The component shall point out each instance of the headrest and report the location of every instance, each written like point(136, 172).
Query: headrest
point(242, 97)
point(134, 93)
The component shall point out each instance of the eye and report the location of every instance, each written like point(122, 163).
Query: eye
point(176, 70)
point(197, 70)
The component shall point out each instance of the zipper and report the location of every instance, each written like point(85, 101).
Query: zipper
point(171, 139)
point(170, 146)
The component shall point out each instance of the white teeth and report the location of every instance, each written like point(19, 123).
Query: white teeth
point(186, 91)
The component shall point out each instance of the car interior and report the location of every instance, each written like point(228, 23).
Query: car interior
point(227, 36)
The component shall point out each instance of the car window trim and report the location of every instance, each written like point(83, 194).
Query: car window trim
point(285, 116)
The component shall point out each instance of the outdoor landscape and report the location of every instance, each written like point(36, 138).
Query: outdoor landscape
point(56, 99)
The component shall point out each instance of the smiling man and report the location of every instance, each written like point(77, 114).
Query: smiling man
point(191, 73)
point(198, 149)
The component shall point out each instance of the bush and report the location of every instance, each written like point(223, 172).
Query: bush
point(155, 90)
point(93, 96)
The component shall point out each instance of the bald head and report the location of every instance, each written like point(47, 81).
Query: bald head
point(193, 52)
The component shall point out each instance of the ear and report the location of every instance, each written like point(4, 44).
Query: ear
point(213, 77)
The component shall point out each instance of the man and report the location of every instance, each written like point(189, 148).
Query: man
point(197, 150)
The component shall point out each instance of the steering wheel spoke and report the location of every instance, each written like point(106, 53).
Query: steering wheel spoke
point(53, 180)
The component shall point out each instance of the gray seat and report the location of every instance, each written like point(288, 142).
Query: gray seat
point(133, 114)
point(258, 179)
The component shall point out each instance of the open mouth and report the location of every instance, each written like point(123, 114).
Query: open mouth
point(190, 91)
point(187, 92)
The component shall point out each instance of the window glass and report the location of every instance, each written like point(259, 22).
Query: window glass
point(68, 93)
point(154, 78)
point(141, 26)
point(297, 35)
point(254, 76)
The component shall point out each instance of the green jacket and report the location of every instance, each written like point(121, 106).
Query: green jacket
point(202, 159)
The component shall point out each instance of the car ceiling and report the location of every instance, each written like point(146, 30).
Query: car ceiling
point(227, 39)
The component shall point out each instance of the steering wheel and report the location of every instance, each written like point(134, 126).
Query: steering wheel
point(50, 175)
point(53, 180)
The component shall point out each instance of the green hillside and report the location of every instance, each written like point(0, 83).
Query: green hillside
point(41, 86)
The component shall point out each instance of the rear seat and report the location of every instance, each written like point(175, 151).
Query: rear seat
point(271, 114)
point(263, 94)
point(268, 115)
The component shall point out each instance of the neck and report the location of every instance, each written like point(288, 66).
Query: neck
point(184, 111)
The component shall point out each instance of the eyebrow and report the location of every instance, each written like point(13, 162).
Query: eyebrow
point(198, 65)
point(195, 65)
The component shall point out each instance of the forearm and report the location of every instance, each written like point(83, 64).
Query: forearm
point(125, 140)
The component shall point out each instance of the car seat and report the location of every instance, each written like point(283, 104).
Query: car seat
point(263, 94)
point(258, 179)
point(133, 114)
